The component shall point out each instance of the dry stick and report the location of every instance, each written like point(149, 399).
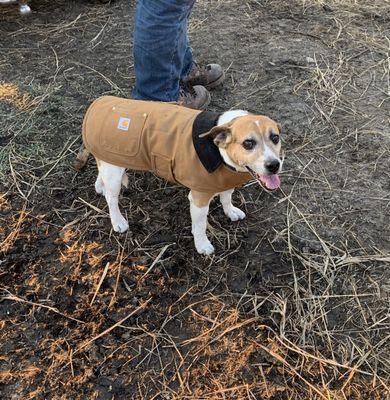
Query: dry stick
point(363, 259)
point(14, 177)
point(323, 315)
point(71, 362)
point(168, 318)
point(350, 376)
point(293, 347)
point(325, 247)
point(258, 90)
point(199, 337)
point(287, 197)
point(232, 328)
point(101, 31)
point(12, 297)
point(264, 380)
point(63, 154)
point(227, 330)
point(364, 358)
point(31, 115)
point(292, 369)
point(70, 358)
point(100, 211)
point(338, 296)
point(155, 261)
point(109, 81)
point(231, 389)
point(120, 255)
point(10, 239)
point(51, 29)
point(139, 308)
point(100, 283)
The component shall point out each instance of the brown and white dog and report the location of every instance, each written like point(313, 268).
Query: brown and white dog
point(209, 153)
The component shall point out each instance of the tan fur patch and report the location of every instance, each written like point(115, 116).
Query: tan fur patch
point(201, 199)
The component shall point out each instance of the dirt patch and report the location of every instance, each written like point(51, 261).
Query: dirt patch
point(295, 302)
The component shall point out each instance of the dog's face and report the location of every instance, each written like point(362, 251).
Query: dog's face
point(252, 142)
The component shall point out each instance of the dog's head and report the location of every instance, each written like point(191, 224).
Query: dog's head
point(251, 143)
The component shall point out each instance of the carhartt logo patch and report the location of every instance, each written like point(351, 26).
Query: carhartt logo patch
point(124, 124)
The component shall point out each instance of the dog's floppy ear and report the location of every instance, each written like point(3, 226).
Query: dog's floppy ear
point(222, 135)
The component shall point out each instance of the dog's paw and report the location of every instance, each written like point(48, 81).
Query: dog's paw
point(119, 224)
point(204, 247)
point(235, 214)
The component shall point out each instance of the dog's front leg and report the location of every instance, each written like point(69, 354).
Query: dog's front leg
point(230, 211)
point(199, 208)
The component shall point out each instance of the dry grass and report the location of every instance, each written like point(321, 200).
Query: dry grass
point(10, 93)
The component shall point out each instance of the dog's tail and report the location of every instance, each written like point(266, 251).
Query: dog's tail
point(81, 159)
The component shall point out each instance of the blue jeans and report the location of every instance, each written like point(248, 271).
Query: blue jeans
point(162, 55)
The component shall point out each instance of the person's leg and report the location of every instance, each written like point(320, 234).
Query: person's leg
point(188, 60)
point(160, 48)
point(210, 76)
point(187, 63)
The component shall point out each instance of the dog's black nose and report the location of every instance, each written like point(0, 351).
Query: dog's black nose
point(273, 166)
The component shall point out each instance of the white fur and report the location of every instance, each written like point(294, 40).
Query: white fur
point(228, 116)
point(199, 225)
point(225, 118)
point(230, 211)
point(109, 183)
point(269, 154)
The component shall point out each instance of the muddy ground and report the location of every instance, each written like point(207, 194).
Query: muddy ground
point(295, 302)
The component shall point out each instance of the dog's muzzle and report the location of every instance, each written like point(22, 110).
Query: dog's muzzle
point(270, 182)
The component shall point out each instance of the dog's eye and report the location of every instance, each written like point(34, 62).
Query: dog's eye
point(274, 138)
point(249, 144)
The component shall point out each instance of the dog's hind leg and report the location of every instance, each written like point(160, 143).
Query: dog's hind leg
point(111, 176)
point(230, 211)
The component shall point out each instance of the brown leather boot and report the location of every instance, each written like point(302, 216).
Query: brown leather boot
point(196, 97)
point(210, 76)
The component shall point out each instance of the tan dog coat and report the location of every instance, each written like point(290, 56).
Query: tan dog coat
point(158, 137)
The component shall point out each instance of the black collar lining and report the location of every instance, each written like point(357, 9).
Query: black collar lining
point(207, 151)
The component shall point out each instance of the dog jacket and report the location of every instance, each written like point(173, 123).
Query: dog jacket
point(159, 137)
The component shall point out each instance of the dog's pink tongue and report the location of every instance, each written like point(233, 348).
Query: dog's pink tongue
point(271, 182)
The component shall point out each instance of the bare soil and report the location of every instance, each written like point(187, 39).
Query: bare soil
point(295, 302)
